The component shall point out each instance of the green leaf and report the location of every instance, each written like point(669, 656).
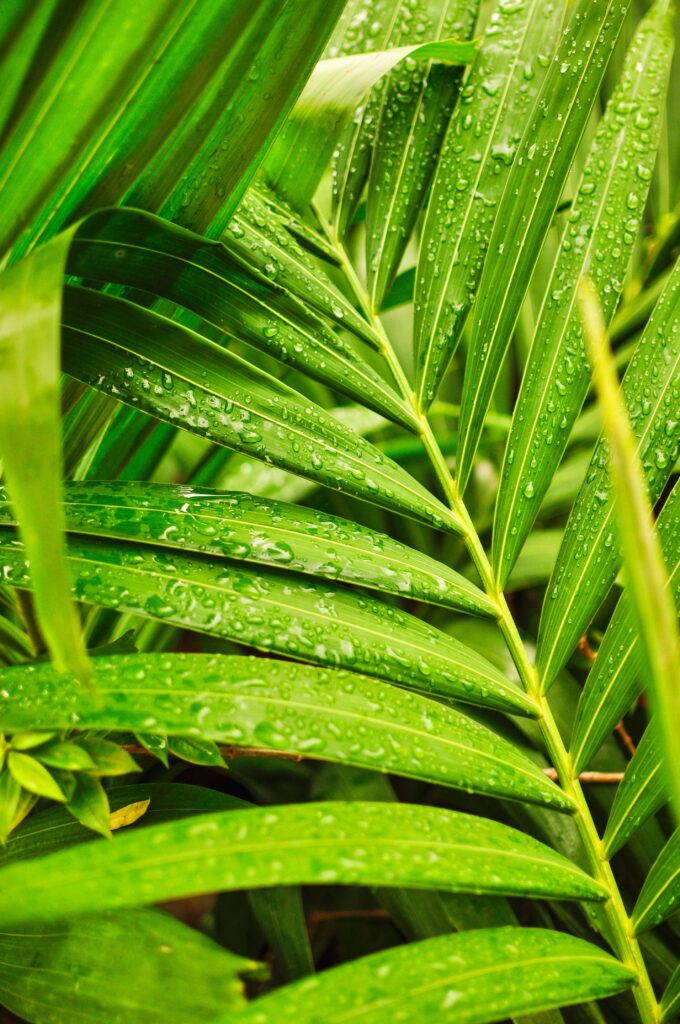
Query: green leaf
point(642, 792)
point(281, 706)
point(260, 237)
point(616, 177)
point(30, 310)
point(31, 775)
point(195, 750)
point(533, 189)
point(303, 149)
point(647, 584)
point(89, 804)
point(327, 843)
point(278, 612)
point(670, 1002)
point(473, 167)
point(589, 558)
point(614, 681)
point(130, 248)
point(661, 889)
point(140, 967)
point(476, 977)
point(147, 87)
point(414, 108)
point(178, 376)
point(281, 916)
point(10, 799)
point(265, 532)
point(67, 755)
point(109, 758)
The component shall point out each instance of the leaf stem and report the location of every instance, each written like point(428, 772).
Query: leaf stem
point(613, 919)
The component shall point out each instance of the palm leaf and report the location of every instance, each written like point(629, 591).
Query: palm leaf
point(347, 843)
point(473, 166)
point(589, 557)
point(661, 890)
point(252, 702)
point(531, 195)
point(474, 978)
point(643, 791)
point(111, 966)
point(271, 533)
point(614, 681)
point(557, 376)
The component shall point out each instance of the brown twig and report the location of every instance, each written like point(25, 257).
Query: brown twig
point(625, 738)
point(604, 778)
point(585, 649)
point(317, 917)
point(230, 752)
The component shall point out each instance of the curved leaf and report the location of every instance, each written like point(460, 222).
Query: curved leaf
point(473, 166)
point(131, 248)
point(661, 890)
point(616, 177)
point(614, 681)
point(280, 706)
point(534, 186)
point(328, 843)
point(265, 532)
point(670, 1002)
point(156, 365)
point(30, 310)
point(275, 611)
point(303, 148)
point(589, 557)
point(476, 977)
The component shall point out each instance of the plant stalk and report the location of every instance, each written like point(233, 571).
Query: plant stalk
point(615, 917)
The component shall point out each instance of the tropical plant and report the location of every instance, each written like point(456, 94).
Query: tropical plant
point(338, 573)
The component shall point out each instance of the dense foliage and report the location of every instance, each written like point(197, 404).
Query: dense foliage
point(339, 657)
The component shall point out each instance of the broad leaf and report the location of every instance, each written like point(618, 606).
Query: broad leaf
point(616, 177)
point(273, 611)
point(477, 977)
point(589, 557)
point(329, 843)
point(534, 185)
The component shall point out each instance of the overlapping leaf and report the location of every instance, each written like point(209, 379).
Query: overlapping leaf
point(473, 166)
point(597, 241)
point(265, 532)
point(661, 891)
point(274, 611)
point(280, 706)
point(412, 115)
point(141, 966)
point(642, 792)
point(534, 186)
point(141, 251)
point(157, 365)
point(615, 681)
point(589, 557)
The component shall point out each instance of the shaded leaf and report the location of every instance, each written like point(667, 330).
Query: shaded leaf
point(661, 889)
